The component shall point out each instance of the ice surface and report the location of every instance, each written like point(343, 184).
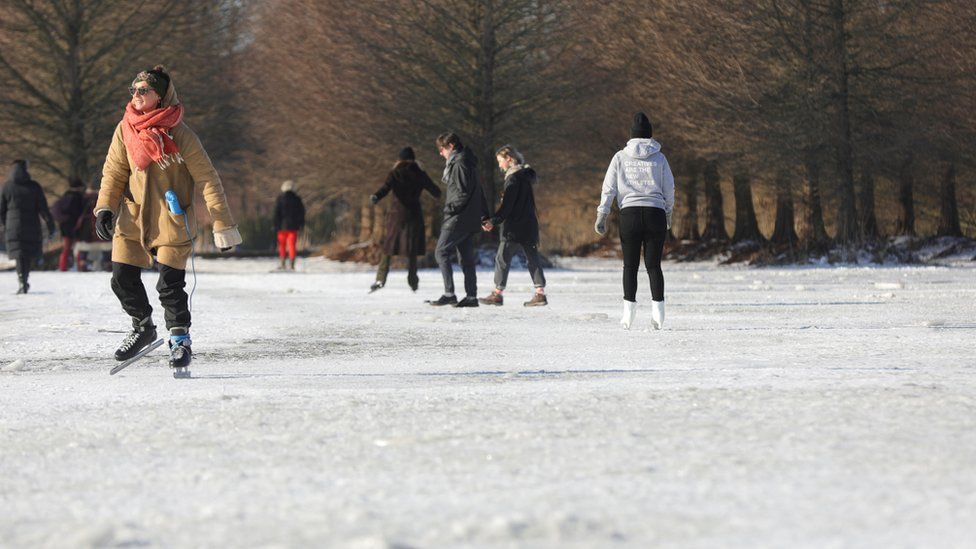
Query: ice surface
point(778, 408)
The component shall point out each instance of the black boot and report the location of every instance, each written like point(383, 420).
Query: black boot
point(180, 354)
point(143, 333)
point(444, 300)
point(23, 287)
point(469, 301)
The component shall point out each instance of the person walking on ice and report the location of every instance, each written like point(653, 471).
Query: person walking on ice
point(153, 152)
point(519, 227)
point(22, 206)
point(640, 180)
point(464, 208)
point(289, 218)
point(405, 221)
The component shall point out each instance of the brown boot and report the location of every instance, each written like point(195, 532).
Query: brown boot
point(494, 298)
point(538, 300)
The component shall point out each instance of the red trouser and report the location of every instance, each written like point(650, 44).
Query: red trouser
point(67, 243)
point(287, 239)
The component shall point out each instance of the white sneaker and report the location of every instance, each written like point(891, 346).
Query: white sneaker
point(657, 314)
point(630, 311)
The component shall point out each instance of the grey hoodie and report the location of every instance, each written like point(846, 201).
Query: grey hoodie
point(639, 175)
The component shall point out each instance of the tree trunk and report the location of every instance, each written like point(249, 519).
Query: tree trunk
point(816, 236)
point(784, 230)
point(847, 230)
point(746, 225)
point(714, 214)
point(906, 197)
point(868, 219)
point(689, 221)
point(365, 221)
point(949, 208)
point(487, 101)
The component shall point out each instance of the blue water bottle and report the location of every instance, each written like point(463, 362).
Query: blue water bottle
point(173, 202)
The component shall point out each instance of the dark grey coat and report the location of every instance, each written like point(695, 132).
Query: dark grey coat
point(516, 214)
point(465, 204)
point(22, 205)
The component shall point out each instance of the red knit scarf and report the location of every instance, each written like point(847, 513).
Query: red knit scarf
point(146, 135)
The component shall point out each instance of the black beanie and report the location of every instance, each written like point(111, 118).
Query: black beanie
point(157, 79)
point(75, 183)
point(406, 153)
point(642, 127)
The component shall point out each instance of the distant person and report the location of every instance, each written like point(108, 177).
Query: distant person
point(640, 179)
point(519, 224)
point(152, 152)
point(405, 221)
point(289, 218)
point(22, 206)
point(66, 211)
point(464, 208)
point(89, 249)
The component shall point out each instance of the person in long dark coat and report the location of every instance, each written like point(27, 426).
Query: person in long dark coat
point(66, 211)
point(405, 230)
point(22, 205)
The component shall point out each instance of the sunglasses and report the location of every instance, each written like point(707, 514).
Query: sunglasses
point(141, 91)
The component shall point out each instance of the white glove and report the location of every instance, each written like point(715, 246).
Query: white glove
point(669, 214)
point(227, 238)
point(601, 224)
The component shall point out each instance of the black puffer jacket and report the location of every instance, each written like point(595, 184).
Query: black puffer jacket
point(22, 205)
point(465, 204)
point(516, 214)
point(289, 212)
point(67, 210)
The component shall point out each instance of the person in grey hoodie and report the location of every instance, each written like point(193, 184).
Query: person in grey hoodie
point(464, 208)
point(640, 179)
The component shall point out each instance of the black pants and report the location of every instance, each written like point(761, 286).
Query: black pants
point(463, 242)
point(127, 285)
point(503, 262)
point(647, 228)
point(22, 261)
point(384, 270)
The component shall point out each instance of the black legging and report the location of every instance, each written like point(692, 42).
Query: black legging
point(128, 287)
point(641, 226)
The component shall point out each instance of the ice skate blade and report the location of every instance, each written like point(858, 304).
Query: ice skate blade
point(149, 348)
point(181, 373)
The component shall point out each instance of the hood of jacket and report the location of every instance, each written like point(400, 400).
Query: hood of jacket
point(18, 174)
point(642, 148)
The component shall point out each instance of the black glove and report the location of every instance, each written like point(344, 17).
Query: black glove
point(373, 199)
point(105, 224)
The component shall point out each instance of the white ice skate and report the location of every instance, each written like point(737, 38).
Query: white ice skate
point(630, 311)
point(657, 314)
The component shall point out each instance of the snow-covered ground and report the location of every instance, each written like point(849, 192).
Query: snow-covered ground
point(830, 407)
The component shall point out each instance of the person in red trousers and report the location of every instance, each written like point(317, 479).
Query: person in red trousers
point(289, 218)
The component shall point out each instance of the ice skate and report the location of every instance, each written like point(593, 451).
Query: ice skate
point(376, 286)
point(657, 314)
point(630, 312)
point(142, 335)
point(180, 354)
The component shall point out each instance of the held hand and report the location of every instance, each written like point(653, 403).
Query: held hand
point(601, 224)
point(105, 224)
point(487, 226)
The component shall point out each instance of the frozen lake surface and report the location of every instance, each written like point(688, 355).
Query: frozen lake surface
point(826, 407)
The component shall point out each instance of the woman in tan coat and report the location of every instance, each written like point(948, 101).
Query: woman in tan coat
point(153, 152)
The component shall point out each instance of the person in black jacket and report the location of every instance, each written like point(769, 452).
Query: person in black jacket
point(289, 218)
point(22, 204)
point(464, 208)
point(519, 227)
point(66, 211)
point(405, 220)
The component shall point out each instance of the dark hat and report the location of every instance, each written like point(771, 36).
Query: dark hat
point(156, 77)
point(75, 183)
point(642, 127)
point(406, 153)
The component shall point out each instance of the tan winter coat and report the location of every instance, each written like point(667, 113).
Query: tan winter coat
point(144, 225)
